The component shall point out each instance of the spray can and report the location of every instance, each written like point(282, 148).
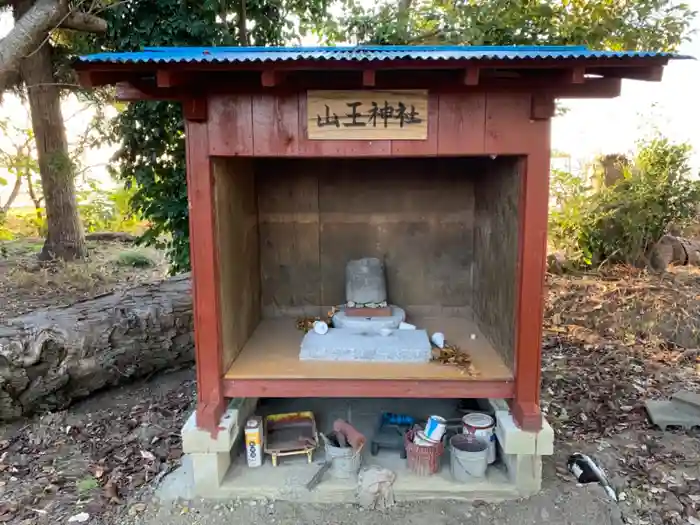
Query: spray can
point(253, 441)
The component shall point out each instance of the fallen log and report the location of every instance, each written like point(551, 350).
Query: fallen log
point(53, 356)
point(674, 250)
point(111, 237)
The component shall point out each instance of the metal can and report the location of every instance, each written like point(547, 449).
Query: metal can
point(435, 428)
point(253, 441)
point(482, 426)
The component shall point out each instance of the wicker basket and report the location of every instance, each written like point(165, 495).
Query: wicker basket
point(422, 460)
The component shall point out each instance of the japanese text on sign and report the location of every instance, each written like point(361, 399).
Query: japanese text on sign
point(366, 115)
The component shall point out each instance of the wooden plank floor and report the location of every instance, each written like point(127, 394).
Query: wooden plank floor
point(273, 353)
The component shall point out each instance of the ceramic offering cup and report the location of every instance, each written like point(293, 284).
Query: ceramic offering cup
point(435, 428)
point(438, 339)
point(320, 327)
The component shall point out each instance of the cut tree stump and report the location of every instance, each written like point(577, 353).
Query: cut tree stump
point(53, 356)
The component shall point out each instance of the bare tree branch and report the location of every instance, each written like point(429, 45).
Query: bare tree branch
point(25, 34)
point(31, 29)
point(13, 194)
point(84, 22)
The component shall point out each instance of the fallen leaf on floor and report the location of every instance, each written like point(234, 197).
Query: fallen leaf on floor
point(453, 355)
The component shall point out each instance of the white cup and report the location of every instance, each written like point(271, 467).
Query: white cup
point(438, 339)
point(320, 327)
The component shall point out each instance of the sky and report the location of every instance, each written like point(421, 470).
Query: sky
point(589, 128)
point(595, 126)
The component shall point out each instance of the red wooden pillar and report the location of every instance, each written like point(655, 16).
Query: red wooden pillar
point(205, 271)
point(532, 253)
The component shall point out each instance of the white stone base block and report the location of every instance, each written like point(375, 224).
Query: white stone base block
point(520, 450)
point(211, 455)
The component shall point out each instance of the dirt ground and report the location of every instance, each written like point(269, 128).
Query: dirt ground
point(613, 340)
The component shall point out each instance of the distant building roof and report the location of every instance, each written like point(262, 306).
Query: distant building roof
point(364, 54)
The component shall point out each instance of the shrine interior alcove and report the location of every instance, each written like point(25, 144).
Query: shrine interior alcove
point(446, 229)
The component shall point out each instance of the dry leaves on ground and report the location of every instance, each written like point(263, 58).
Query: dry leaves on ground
point(66, 463)
point(612, 342)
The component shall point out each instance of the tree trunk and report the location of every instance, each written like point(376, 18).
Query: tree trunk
point(241, 19)
point(50, 357)
point(65, 238)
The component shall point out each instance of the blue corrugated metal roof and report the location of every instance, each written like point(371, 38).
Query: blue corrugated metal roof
point(362, 53)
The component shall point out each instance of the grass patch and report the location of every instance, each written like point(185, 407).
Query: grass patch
point(87, 484)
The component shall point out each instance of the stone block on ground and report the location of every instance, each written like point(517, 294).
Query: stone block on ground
point(208, 471)
point(514, 440)
point(196, 440)
point(672, 413)
point(211, 454)
point(685, 397)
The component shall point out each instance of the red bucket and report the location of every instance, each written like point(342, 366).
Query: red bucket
point(422, 460)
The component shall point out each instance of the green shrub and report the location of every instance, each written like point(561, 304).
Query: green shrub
point(108, 210)
point(23, 222)
point(135, 259)
point(622, 222)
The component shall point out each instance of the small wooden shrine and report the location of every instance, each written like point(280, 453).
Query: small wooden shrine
point(433, 159)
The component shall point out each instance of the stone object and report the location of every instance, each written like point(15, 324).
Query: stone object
point(211, 455)
point(362, 311)
point(375, 489)
point(342, 344)
point(681, 411)
point(369, 324)
point(364, 281)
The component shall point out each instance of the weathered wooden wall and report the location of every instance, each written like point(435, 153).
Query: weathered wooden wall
point(496, 229)
point(458, 124)
point(315, 215)
point(236, 216)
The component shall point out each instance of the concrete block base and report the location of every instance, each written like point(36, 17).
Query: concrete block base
point(210, 456)
point(213, 469)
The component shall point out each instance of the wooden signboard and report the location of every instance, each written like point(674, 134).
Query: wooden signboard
point(367, 115)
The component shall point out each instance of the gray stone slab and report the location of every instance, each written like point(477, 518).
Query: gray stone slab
point(666, 414)
point(342, 344)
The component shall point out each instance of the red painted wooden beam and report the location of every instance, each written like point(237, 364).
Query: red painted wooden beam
point(471, 76)
point(543, 107)
point(195, 109)
point(271, 78)
point(91, 79)
point(205, 278)
point(368, 78)
point(167, 78)
point(650, 74)
point(578, 75)
point(366, 388)
point(532, 251)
